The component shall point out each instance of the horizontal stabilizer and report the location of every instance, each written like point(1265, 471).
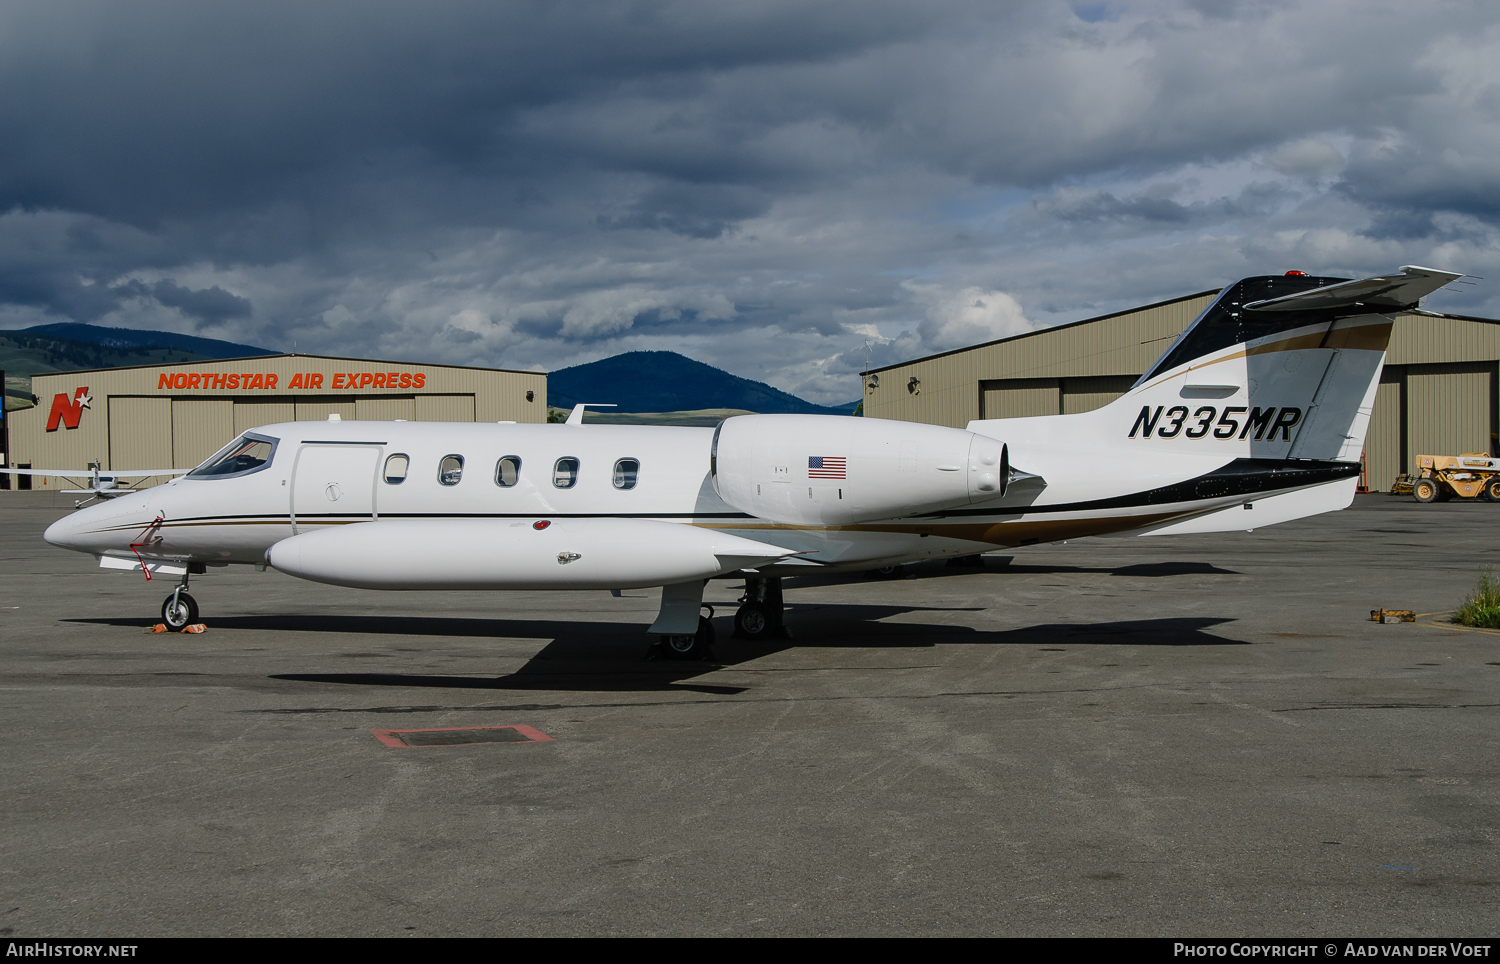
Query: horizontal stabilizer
point(1328, 497)
point(1394, 292)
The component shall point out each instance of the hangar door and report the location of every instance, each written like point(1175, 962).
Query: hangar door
point(139, 433)
point(1021, 397)
point(200, 427)
point(1449, 409)
point(445, 408)
point(1383, 458)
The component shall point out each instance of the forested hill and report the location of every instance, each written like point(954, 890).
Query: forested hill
point(68, 346)
point(664, 381)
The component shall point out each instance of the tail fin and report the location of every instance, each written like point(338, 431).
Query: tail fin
point(1277, 367)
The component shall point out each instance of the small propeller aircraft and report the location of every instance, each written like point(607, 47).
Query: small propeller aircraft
point(1255, 415)
point(93, 484)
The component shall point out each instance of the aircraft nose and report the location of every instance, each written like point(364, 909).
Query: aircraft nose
point(101, 527)
point(63, 533)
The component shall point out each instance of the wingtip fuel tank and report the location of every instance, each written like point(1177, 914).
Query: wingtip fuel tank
point(516, 554)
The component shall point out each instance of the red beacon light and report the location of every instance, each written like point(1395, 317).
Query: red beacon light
point(1297, 274)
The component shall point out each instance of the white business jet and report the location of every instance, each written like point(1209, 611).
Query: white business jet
point(1256, 415)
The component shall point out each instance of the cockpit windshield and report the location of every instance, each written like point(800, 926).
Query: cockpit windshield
point(246, 454)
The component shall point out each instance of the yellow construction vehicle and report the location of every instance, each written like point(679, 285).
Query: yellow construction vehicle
point(1442, 477)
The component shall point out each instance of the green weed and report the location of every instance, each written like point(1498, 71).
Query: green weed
point(1482, 607)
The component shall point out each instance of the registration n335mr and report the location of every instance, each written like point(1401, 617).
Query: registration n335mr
point(1256, 415)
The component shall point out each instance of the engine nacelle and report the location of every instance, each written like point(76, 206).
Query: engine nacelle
point(834, 470)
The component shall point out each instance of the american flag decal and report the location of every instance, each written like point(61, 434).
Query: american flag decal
point(825, 466)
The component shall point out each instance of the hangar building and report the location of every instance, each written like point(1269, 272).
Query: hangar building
point(1437, 396)
point(175, 416)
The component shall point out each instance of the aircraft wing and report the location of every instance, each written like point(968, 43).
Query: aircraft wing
point(89, 473)
point(1384, 293)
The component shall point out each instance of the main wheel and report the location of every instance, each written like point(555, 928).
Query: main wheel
point(697, 646)
point(886, 572)
point(754, 621)
point(179, 611)
point(1492, 489)
point(1424, 490)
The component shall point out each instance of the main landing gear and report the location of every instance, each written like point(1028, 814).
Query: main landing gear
point(698, 646)
point(180, 610)
point(759, 617)
point(762, 614)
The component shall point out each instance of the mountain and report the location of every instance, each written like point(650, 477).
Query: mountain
point(130, 338)
point(664, 381)
point(69, 346)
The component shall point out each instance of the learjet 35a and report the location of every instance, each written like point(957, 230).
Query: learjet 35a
point(1255, 415)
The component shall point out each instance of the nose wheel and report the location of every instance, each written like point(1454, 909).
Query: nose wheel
point(179, 610)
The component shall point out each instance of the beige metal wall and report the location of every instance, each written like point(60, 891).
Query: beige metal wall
point(948, 386)
point(177, 415)
point(1440, 393)
point(248, 415)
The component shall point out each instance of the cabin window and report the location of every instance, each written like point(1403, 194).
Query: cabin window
point(565, 473)
point(451, 469)
point(246, 454)
point(396, 467)
point(508, 471)
point(625, 472)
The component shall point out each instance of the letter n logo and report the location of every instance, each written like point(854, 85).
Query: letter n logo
point(68, 411)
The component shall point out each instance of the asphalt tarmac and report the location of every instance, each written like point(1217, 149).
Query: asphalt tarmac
point(1192, 736)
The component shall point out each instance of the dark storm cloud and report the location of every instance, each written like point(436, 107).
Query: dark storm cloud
point(149, 111)
point(211, 304)
point(765, 186)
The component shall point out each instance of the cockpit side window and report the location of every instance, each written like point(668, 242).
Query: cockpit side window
point(245, 455)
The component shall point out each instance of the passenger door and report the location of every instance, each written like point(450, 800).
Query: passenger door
point(333, 483)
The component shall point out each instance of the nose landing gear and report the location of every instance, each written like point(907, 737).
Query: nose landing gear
point(179, 610)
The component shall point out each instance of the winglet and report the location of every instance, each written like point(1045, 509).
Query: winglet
point(576, 417)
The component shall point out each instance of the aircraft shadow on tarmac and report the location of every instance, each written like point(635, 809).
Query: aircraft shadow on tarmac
point(607, 657)
point(598, 656)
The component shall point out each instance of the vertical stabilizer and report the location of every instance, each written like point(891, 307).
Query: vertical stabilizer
point(1278, 367)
